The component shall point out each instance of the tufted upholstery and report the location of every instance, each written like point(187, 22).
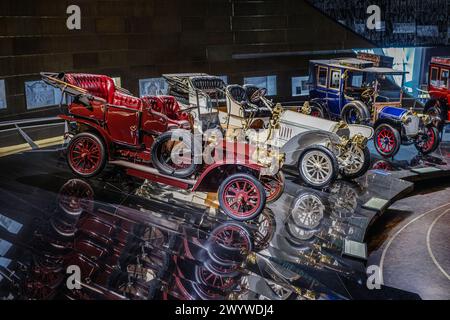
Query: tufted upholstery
point(250, 90)
point(103, 87)
point(97, 85)
point(211, 85)
point(152, 103)
point(122, 99)
point(237, 93)
point(166, 105)
point(172, 108)
point(208, 83)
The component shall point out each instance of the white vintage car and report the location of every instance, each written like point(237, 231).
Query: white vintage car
point(318, 150)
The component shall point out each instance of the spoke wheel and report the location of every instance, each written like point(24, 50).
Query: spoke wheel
point(86, 155)
point(359, 160)
point(382, 165)
point(427, 143)
point(274, 186)
point(318, 167)
point(173, 154)
point(352, 114)
point(317, 112)
point(433, 108)
point(266, 227)
point(242, 197)
point(231, 236)
point(226, 245)
point(387, 140)
point(214, 280)
point(76, 196)
point(308, 211)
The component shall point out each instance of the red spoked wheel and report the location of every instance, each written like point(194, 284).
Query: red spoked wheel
point(427, 143)
point(214, 280)
point(316, 112)
point(387, 140)
point(434, 109)
point(225, 269)
point(231, 236)
point(274, 186)
point(242, 197)
point(76, 196)
point(382, 165)
point(226, 245)
point(86, 155)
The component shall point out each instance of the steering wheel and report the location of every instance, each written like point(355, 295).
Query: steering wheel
point(258, 94)
point(367, 93)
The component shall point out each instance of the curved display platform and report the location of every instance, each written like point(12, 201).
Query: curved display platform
point(138, 240)
point(134, 240)
point(410, 166)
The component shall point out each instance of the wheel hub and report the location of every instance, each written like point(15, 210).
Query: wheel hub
point(242, 197)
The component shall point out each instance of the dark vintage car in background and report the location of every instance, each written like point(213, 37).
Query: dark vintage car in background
point(361, 90)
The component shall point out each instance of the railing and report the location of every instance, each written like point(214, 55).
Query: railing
point(21, 125)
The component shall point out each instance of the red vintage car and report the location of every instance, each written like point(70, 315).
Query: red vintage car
point(439, 89)
point(109, 125)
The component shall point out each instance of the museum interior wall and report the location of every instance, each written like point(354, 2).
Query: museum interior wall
point(142, 39)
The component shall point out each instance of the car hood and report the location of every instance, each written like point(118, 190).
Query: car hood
point(308, 123)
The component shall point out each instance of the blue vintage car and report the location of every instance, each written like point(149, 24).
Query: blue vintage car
point(362, 91)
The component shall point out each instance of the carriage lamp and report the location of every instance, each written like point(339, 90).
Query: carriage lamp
point(406, 119)
point(359, 140)
point(267, 157)
point(306, 109)
point(341, 125)
point(213, 140)
point(251, 258)
point(311, 295)
point(426, 119)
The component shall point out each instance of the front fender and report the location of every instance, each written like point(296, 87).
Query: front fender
point(365, 131)
point(102, 133)
point(296, 145)
point(396, 124)
point(214, 174)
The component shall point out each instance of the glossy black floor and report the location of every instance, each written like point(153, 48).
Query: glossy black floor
point(140, 241)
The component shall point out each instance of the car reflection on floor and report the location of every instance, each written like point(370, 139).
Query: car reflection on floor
point(131, 244)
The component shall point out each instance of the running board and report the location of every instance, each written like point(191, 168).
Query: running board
point(153, 174)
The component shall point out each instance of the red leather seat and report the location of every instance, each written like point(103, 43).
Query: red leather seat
point(104, 87)
point(97, 85)
point(153, 103)
point(172, 109)
point(168, 106)
point(122, 99)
